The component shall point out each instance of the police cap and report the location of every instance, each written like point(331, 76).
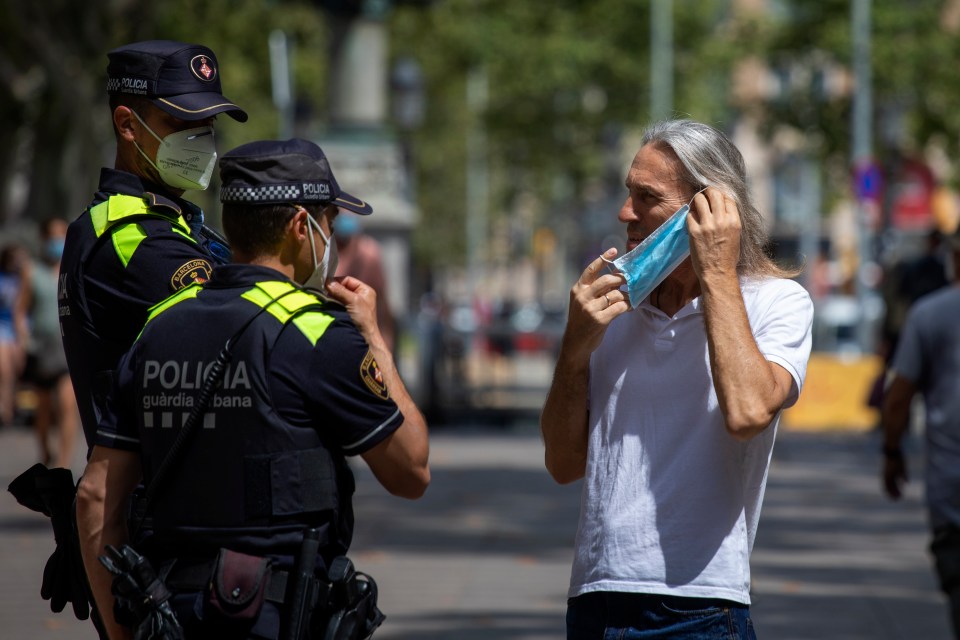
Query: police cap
point(180, 79)
point(281, 171)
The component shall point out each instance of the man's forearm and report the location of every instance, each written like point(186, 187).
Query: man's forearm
point(412, 416)
point(748, 391)
point(100, 521)
point(409, 473)
point(93, 539)
point(563, 421)
point(895, 413)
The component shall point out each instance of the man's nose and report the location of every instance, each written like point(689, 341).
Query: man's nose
point(627, 214)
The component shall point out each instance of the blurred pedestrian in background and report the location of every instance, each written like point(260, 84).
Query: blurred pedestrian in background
point(360, 256)
point(12, 260)
point(669, 412)
point(927, 361)
point(38, 331)
point(904, 283)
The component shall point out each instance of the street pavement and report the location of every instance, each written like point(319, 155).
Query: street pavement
point(486, 553)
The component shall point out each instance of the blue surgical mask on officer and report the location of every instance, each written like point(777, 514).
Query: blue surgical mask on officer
point(650, 262)
point(185, 159)
point(54, 249)
point(326, 267)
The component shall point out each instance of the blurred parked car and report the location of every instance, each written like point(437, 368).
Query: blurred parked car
point(839, 319)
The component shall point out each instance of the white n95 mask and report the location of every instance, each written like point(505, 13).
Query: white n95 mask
point(185, 159)
point(326, 267)
point(650, 262)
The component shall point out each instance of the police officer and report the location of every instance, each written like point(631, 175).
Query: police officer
point(307, 380)
point(139, 240)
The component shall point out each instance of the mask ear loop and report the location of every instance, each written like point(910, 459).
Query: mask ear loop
point(695, 195)
point(610, 266)
point(313, 243)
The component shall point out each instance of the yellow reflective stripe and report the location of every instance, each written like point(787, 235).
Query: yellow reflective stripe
point(163, 305)
point(261, 296)
point(114, 209)
point(126, 239)
point(179, 296)
point(98, 216)
point(120, 206)
point(291, 301)
point(311, 324)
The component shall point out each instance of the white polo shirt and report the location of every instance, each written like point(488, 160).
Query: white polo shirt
point(670, 500)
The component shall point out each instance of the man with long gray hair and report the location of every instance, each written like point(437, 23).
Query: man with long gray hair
point(669, 413)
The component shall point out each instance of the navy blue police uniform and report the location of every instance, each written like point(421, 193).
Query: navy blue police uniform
point(301, 392)
point(136, 243)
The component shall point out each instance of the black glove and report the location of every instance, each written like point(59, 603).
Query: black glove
point(142, 598)
point(52, 492)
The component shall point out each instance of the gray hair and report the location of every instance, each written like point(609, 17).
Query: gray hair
point(710, 159)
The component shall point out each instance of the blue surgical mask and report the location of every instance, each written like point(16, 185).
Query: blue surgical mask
point(651, 261)
point(54, 249)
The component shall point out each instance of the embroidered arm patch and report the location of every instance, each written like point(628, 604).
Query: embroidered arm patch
point(372, 377)
point(190, 272)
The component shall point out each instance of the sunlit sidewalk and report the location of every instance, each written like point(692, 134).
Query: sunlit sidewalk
point(486, 553)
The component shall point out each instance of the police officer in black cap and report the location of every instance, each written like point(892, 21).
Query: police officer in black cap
point(299, 377)
point(139, 241)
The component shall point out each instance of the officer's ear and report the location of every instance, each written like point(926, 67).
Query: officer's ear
point(123, 121)
point(298, 224)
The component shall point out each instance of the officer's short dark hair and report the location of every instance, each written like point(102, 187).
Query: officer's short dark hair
point(256, 230)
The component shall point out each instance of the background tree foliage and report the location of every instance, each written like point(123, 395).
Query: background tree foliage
point(565, 84)
point(915, 94)
point(569, 85)
point(56, 126)
point(48, 96)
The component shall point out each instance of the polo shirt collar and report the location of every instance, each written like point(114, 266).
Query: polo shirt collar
point(693, 307)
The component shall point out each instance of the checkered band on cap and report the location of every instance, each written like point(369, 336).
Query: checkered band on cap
point(265, 193)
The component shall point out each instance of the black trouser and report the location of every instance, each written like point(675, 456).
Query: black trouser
point(946, 552)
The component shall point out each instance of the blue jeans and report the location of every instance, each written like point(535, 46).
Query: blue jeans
point(607, 615)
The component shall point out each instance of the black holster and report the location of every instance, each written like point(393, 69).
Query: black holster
point(342, 607)
point(351, 612)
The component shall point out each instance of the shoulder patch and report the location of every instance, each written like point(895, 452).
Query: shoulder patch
point(372, 377)
point(193, 271)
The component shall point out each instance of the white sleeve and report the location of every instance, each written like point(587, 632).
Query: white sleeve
point(781, 318)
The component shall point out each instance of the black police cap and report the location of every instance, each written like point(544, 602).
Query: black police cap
point(282, 171)
point(181, 79)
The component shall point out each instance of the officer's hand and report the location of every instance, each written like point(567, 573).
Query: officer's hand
point(360, 301)
point(894, 476)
